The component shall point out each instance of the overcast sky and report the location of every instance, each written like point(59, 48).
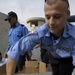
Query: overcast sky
point(28, 8)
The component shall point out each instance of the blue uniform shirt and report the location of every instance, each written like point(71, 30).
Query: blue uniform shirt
point(63, 47)
point(15, 33)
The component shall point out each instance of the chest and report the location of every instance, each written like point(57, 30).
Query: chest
point(64, 44)
point(15, 32)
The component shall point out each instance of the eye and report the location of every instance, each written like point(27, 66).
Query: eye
point(57, 16)
point(9, 19)
point(47, 17)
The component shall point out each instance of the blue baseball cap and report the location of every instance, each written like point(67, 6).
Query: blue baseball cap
point(10, 14)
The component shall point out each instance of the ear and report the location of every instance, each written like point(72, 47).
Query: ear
point(68, 14)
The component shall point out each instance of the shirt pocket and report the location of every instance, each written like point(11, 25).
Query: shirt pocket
point(63, 51)
point(18, 33)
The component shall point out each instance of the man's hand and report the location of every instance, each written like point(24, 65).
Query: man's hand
point(5, 55)
point(30, 54)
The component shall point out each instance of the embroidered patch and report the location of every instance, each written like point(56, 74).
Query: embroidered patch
point(31, 32)
point(63, 48)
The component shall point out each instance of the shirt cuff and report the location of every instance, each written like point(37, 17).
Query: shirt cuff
point(13, 55)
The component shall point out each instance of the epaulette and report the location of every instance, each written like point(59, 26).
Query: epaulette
point(22, 25)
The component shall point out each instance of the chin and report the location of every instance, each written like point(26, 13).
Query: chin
point(53, 32)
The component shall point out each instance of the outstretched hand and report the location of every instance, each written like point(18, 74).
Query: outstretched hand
point(5, 55)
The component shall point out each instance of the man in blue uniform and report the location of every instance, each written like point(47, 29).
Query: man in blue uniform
point(45, 54)
point(57, 36)
point(15, 32)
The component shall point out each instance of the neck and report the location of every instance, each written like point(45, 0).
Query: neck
point(55, 36)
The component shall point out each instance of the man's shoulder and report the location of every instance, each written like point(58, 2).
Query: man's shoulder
point(41, 30)
point(71, 30)
point(22, 25)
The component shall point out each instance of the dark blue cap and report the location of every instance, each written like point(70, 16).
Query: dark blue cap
point(11, 14)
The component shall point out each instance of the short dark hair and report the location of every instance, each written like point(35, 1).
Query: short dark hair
point(63, 0)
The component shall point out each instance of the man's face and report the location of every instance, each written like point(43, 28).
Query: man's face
point(55, 17)
point(12, 21)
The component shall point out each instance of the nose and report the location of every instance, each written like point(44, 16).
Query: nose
point(51, 21)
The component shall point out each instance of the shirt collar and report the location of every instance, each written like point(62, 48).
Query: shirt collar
point(48, 34)
point(65, 31)
point(16, 25)
point(69, 30)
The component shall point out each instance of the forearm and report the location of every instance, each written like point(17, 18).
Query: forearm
point(73, 74)
point(10, 67)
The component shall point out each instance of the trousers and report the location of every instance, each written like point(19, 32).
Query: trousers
point(63, 67)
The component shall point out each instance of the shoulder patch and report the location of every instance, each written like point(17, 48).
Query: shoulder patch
point(31, 32)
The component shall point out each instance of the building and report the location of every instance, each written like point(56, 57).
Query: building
point(34, 22)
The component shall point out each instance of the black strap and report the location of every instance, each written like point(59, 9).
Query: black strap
point(27, 56)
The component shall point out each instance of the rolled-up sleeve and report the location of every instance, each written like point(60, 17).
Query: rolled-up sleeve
point(13, 52)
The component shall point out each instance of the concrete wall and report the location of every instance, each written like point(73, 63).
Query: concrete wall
point(4, 26)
